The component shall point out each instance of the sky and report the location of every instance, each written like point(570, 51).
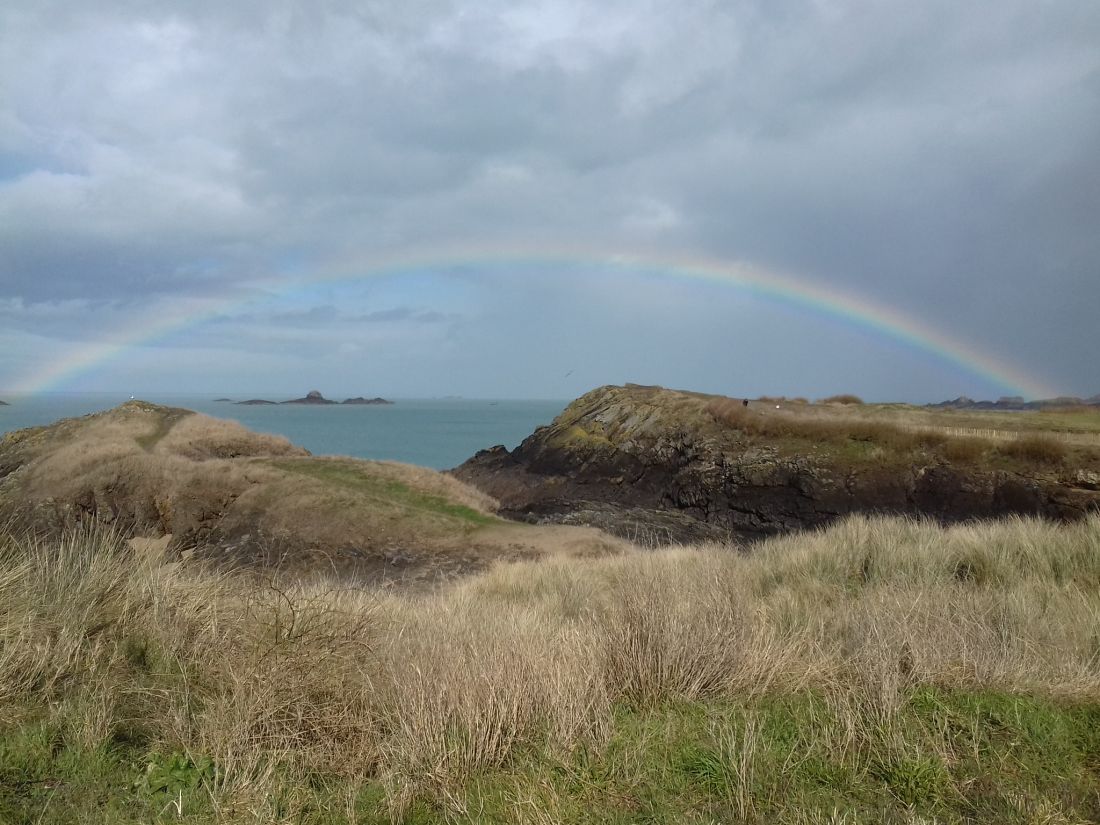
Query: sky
point(510, 199)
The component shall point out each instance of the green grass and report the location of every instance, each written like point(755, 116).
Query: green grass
point(43, 778)
point(944, 756)
point(360, 480)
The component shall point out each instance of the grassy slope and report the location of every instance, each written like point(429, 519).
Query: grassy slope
point(878, 434)
point(162, 469)
point(370, 481)
point(879, 671)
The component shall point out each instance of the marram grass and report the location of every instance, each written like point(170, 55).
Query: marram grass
point(882, 670)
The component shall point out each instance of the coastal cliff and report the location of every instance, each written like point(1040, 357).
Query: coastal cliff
point(658, 465)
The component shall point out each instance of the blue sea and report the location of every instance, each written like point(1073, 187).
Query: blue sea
point(437, 433)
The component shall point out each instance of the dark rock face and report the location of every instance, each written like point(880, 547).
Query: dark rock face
point(312, 397)
point(650, 464)
point(361, 400)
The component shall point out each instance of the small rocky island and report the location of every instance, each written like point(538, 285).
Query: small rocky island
point(225, 400)
point(361, 400)
point(311, 397)
point(314, 397)
point(4, 404)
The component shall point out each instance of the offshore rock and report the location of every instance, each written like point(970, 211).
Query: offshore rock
point(312, 397)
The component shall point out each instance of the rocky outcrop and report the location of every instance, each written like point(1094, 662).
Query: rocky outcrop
point(312, 397)
point(256, 402)
point(4, 404)
point(651, 464)
point(361, 400)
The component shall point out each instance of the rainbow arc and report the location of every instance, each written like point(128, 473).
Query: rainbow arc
point(821, 299)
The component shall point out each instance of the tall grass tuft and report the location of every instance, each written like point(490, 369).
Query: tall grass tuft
point(1036, 448)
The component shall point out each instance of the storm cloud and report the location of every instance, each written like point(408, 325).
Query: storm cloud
point(938, 158)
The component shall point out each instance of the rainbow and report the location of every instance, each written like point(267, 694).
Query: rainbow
point(824, 300)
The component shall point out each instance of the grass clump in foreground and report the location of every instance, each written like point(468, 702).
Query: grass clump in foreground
point(880, 671)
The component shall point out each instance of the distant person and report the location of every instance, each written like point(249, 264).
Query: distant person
point(745, 402)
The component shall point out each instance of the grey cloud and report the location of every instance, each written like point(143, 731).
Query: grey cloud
point(937, 157)
point(327, 315)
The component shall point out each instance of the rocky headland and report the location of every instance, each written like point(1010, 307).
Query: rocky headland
point(658, 465)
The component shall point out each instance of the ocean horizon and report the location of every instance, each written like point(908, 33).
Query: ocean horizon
point(439, 433)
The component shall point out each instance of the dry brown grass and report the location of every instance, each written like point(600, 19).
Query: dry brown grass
point(782, 424)
point(154, 470)
point(964, 449)
point(1071, 409)
point(137, 448)
point(906, 430)
point(782, 399)
point(1036, 448)
point(199, 437)
point(280, 681)
point(843, 398)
